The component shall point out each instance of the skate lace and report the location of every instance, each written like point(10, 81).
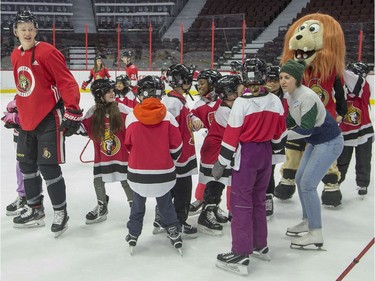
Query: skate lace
point(26, 212)
point(211, 217)
point(97, 210)
point(269, 204)
point(220, 213)
point(173, 233)
point(17, 202)
point(59, 217)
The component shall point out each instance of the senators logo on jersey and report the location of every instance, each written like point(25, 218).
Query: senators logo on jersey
point(353, 115)
point(314, 84)
point(110, 145)
point(26, 82)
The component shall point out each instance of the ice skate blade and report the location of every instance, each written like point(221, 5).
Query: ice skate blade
point(308, 247)
point(59, 233)
point(131, 249)
point(98, 220)
point(189, 236)
point(32, 224)
point(180, 251)
point(234, 268)
point(13, 213)
point(158, 230)
point(263, 257)
point(295, 234)
point(269, 217)
point(209, 231)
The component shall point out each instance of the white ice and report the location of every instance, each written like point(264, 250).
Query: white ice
point(99, 252)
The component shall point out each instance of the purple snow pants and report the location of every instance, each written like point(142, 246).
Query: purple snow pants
point(249, 186)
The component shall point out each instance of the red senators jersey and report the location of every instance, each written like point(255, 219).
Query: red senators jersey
point(205, 111)
point(100, 74)
point(176, 104)
point(132, 73)
point(41, 83)
point(111, 156)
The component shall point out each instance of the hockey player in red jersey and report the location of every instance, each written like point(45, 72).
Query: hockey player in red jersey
point(131, 69)
point(104, 123)
point(123, 92)
point(179, 77)
point(356, 127)
point(228, 89)
point(48, 107)
point(256, 126)
point(154, 144)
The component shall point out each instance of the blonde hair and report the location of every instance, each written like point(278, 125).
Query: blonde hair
point(330, 59)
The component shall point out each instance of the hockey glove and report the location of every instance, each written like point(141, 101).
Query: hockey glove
point(11, 120)
point(11, 106)
point(218, 170)
point(84, 85)
point(71, 121)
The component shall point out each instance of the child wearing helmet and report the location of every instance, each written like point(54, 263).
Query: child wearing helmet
point(256, 127)
point(180, 78)
point(104, 124)
point(123, 92)
point(228, 88)
point(154, 144)
point(99, 71)
point(356, 127)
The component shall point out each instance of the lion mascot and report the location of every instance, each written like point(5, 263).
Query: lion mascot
point(318, 40)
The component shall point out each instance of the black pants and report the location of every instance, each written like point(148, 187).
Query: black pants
point(213, 192)
point(181, 194)
point(363, 155)
point(271, 185)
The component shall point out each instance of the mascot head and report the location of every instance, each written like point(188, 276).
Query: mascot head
point(318, 40)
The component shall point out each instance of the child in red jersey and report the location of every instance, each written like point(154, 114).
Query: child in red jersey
point(123, 92)
point(179, 77)
point(256, 126)
point(99, 71)
point(356, 127)
point(154, 143)
point(228, 89)
point(47, 97)
point(104, 123)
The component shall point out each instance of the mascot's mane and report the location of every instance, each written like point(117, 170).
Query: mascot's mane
point(330, 59)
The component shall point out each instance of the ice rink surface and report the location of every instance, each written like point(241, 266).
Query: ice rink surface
point(99, 252)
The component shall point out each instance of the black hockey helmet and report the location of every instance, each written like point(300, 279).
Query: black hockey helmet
point(98, 57)
point(273, 72)
point(179, 74)
point(127, 54)
point(211, 75)
point(25, 16)
point(100, 87)
point(124, 79)
point(227, 85)
point(236, 66)
point(359, 68)
point(254, 72)
point(151, 86)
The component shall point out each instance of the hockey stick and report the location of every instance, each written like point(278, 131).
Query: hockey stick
point(83, 150)
point(356, 260)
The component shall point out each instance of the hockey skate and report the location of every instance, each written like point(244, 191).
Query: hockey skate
point(362, 192)
point(60, 222)
point(285, 189)
point(174, 236)
point(157, 223)
point(30, 217)
point(220, 215)
point(189, 231)
point(261, 254)
point(15, 207)
point(269, 206)
point(195, 207)
point(207, 222)
point(132, 241)
point(99, 213)
point(331, 197)
point(313, 240)
point(298, 229)
point(233, 263)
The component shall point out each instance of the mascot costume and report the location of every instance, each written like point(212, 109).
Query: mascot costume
point(318, 40)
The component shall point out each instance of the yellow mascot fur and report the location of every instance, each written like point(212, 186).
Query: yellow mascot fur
point(318, 40)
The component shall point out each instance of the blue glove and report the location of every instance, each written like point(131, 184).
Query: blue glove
point(70, 122)
point(218, 170)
